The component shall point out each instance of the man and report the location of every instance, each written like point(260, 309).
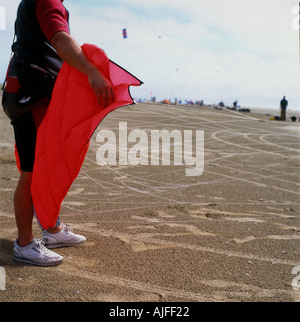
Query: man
point(283, 107)
point(43, 40)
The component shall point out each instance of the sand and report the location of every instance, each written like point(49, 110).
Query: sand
point(157, 235)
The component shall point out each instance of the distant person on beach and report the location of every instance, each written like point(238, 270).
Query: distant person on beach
point(42, 43)
point(283, 107)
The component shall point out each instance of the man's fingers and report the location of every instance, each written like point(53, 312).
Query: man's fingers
point(103, 89)
point(98, 96)
point(110, 96)
point(113, 94)
point(106, 96)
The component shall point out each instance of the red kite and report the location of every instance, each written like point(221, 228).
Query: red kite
point(65, 132)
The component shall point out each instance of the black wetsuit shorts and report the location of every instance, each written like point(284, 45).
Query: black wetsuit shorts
point(25, 138)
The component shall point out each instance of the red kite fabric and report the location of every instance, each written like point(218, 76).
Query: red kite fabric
point(64, 134)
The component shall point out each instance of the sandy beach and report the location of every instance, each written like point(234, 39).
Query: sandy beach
point(157, 235)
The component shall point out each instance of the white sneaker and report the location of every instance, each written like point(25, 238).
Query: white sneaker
point(36, 254)
point(64, 238)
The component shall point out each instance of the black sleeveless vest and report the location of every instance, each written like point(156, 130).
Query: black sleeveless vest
point(31, 44)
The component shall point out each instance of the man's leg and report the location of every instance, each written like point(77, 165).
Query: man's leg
point(25, 137)
point(24, 209)
point(26, 248)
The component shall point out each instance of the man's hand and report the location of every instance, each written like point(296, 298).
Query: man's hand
point(102, 87)
point(71, 52)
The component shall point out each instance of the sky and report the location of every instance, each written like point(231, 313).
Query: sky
point(211, 50)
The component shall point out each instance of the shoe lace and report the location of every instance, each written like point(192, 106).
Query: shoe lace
point(66, 228)
point(40, 245)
